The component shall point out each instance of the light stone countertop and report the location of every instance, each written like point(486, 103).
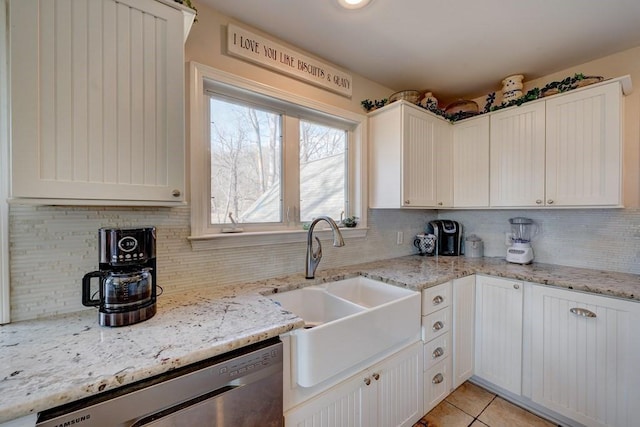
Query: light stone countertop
point(49, 362)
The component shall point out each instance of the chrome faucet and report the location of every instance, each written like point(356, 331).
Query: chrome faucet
point(314, 257)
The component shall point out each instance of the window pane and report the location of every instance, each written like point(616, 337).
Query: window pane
point(322, 171)
point(245, 163)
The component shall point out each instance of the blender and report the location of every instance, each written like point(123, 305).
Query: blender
point(520, 251)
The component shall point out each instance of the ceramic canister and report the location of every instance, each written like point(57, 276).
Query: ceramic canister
point(473, 247)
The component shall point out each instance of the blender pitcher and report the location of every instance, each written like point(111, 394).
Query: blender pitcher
point(522, 230)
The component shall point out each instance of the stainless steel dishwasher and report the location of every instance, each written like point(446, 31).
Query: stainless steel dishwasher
point(241, 388)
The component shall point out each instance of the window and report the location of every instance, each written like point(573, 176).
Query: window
point(264, 162)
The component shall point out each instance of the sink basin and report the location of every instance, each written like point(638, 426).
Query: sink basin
point(347, 322)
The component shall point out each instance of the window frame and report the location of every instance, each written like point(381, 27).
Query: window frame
point(202, 235)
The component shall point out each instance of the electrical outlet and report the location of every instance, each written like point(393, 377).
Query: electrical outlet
point(400, 238)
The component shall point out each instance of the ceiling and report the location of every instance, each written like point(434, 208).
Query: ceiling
point(454, 48)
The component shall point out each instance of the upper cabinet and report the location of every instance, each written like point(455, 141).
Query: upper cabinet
point(517, 156)
point(584, 148)
point(471, 163)
point(561, 151)
point(411, 156)
point(565, 151)
point(97, 91)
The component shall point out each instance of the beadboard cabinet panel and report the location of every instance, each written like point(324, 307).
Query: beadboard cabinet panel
point(97, 100)
point(419, 158)
point(517, 156)
point(584, 148)
point(585, 362)
point(471, 163)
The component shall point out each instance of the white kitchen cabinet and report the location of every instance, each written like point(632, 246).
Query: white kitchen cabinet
point(385, 395)
point(517, 153)
point(498, 332)
point(471, 163)
point(584, 148)
point(437, 304)
point(563, 151)
point(464, 304)
point(97, 101)
point(411, 155)
point(586, 368)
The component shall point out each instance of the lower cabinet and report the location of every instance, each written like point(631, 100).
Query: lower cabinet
point(585, 355)
point(498, 332)
point(385, 395)
point(464, 310)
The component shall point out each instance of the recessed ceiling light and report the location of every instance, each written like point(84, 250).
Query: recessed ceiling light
point(353, 4)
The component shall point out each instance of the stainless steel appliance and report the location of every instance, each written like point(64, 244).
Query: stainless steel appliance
point(126, 292)
point(448, 236)
point(242, 388)
point(520, 251)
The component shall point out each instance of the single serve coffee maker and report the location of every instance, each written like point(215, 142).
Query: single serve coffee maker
point(126, 291)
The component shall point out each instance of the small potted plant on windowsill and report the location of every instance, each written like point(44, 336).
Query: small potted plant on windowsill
point(350, 222)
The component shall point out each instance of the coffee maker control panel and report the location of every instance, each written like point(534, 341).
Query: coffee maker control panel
point(121, 246)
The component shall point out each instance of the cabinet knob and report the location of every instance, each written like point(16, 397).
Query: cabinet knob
point(439, 203)
point(176, 193)
point(437, 379)
point(438, 325)
point(516, 286)
point(376, 376)
point(438, 352)
point(406, 202)
point(367, 380)
point(538, 202)
point(438, 300)
point(582, 312)
point(549, 202)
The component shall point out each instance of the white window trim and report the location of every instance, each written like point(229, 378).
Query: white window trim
point(200, 237)
point(5, 308)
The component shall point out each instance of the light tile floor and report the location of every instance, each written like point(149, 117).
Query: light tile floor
point(473, 406)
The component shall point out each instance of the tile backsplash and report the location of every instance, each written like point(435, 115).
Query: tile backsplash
point(52, 247)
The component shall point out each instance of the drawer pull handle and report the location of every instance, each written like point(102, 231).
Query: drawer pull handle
point(437, 379)
point(438, 325)
point(582, 312)
point(438, 300)
point(376, 376)
point(367, 380)
point(438, 352)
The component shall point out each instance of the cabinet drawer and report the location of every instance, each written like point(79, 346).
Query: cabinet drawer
point(436, 324)
point(436, 298)
point(436, 350)
point(437, 383)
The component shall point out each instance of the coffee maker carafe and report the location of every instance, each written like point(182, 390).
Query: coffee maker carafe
point(127, 276)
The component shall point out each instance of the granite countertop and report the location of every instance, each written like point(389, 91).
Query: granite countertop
point(49, 362)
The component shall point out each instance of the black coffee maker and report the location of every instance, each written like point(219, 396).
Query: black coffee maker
point(448, 236)
point(127, 276)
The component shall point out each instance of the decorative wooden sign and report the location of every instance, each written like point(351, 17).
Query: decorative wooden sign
point(265, 52)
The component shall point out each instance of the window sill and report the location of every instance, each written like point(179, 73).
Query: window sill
point(263, 238)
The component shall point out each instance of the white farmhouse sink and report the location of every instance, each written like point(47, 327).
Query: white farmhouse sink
point(347, 322)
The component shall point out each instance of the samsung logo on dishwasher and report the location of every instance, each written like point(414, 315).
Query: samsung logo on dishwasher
point(74, 421)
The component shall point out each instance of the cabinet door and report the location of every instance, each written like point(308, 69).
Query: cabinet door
point(517, 156)
point(498, 352)
point(348, 404)
point(584, 148)
point(443, 162)
point(399, 387)
point(98, 105)
point(471, 163)
point(464, 303)
point(419, 153)
point(586, 368)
